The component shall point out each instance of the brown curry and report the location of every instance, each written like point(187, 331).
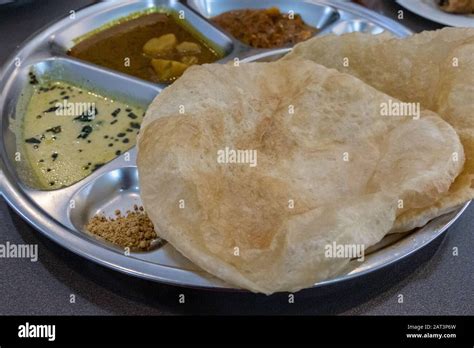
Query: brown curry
point(267, 28)
point(154, 47)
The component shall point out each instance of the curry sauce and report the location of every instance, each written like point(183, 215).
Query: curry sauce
point(123, 47)
point(68, 132)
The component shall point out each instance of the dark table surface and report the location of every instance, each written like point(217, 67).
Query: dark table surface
point(433, 281)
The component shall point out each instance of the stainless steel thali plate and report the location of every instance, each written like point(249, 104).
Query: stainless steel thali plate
point(115, 185)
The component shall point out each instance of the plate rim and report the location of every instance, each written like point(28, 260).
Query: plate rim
point(437, 16)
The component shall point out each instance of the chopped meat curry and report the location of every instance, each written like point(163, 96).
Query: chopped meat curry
point(267, 28)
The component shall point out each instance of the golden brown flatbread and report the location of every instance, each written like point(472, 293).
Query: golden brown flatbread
point(329, 169)
point(434, 68)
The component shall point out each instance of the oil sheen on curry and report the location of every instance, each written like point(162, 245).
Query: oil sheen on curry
point(67, 132)
point(157, 47)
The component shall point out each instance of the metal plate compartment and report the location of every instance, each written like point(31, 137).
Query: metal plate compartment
point(101, 81)
point(314, 14)
point(64, 38)
point(321, 14)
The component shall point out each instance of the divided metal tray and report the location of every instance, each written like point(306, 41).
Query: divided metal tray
point(115, 185)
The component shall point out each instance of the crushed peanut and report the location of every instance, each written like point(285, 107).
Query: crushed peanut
point(133, 229)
